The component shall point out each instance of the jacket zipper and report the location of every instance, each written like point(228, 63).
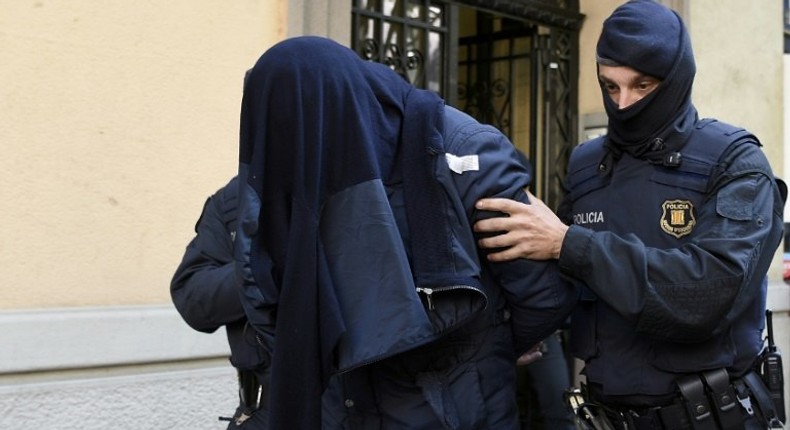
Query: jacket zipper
point(428, 293)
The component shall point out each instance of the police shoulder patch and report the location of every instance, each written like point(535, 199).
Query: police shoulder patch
point(677, 217)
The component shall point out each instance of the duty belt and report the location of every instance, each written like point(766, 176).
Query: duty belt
point(708, 401)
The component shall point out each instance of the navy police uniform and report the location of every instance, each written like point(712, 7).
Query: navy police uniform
point(205, 293)
point(673, 260)
point(673, 224)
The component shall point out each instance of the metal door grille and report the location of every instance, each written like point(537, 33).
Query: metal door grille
point(518, 70)
point(407, 35)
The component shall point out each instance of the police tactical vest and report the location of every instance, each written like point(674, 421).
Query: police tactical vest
point(669, 193)
point(659, 203)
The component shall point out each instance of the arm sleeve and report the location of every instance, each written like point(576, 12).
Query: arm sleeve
point(692, 292)
point(539, 299)
point(203, 287)
point(257, 290)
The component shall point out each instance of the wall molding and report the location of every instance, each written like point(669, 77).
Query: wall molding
point(78, 338)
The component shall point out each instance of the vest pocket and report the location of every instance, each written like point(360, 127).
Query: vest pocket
point(690, 180)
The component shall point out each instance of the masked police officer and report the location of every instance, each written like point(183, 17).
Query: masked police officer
point(673, 222)
point(204, 292)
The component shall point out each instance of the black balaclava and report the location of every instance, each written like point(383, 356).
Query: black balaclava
point(650, 38)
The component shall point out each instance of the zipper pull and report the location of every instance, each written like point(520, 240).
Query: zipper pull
point(428, 292)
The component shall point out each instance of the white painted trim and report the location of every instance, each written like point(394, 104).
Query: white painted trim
point(151, 378)
point(778, 296)
point(58, 339)
point(61, 339)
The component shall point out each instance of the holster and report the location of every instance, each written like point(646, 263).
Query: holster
point(251, 394)
point(769, 366)
point(249, 389)
point(759, 392)
point(587, 415)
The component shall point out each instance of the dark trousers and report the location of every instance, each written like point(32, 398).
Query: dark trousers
point(541, 389)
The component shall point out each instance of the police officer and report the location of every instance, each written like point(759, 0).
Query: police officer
point(205, 293)
point(669, 225)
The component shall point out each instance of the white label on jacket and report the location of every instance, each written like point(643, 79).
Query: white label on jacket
point(462, 164)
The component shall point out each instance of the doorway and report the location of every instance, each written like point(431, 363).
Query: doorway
point(512, 64)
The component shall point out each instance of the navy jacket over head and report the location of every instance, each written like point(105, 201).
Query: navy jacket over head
point(307, 132)
point(335, 155)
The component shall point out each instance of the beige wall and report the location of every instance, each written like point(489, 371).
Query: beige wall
point(116, 120)
point(595, 12)
point(740, 67)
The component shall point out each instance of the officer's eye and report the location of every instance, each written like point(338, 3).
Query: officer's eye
point(610, 87)
point(647, 85)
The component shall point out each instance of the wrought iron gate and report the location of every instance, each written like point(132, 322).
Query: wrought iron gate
point(517, 68)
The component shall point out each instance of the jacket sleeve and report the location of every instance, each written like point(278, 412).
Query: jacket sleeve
point(692, 292)
point(258, 292)
point(540, 301)
point(203, 287)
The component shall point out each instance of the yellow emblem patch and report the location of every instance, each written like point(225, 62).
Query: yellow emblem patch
point(677, 217)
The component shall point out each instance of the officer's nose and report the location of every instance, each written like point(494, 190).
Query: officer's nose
point(626, 98)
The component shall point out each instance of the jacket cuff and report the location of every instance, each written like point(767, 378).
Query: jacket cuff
point(574, 254)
